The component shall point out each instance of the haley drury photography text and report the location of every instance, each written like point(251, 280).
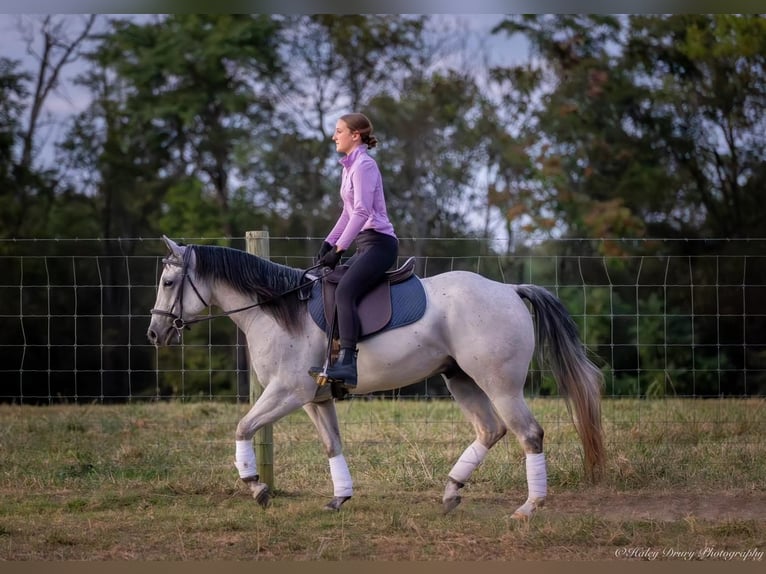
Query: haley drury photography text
point(705, 553)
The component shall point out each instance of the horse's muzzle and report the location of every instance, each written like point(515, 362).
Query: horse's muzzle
point(153, 334)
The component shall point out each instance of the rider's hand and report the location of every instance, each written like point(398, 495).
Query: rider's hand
point(324, 250)
point(331, 258)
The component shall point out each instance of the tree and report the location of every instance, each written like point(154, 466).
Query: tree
point(706, 119)
point(196, 85)
point(593, 175)
point(32, 185)
point(57, 50)
point(705, 115)
point(650, 124)
point(12, 95)
point(179, 98)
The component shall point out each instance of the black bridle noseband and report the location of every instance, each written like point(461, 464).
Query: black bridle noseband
point(179, 323)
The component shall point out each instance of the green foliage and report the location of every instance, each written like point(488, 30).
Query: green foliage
point(13, 93)
point(189, 213)
point(26, 193)
point(195, 83)
point(643, 125)
point(706, 112)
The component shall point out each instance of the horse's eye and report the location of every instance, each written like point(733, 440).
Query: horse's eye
point(167, 283)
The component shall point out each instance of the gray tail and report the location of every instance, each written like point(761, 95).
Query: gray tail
point(579, 380)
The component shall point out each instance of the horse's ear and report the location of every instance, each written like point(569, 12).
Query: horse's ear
point(175, 249)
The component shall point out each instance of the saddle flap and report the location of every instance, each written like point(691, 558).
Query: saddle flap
point(334, 276)
point(374, 309)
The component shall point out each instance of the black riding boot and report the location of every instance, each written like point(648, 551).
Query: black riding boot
point(345, 367)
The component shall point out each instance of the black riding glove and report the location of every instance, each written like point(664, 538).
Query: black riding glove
point(324, 250)
point(331, 258)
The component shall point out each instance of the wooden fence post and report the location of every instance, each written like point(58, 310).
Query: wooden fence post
point(258, 244)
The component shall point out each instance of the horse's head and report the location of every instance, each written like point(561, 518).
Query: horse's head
point(179, 298)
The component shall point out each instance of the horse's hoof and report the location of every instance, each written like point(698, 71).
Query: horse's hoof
point(261, 493)
point(336, 503)
point(451, 504)
point(451, 498)
point(526, 510)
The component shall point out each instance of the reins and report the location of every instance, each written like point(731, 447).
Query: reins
point(258, 303)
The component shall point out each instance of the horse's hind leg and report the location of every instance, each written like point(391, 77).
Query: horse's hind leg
point(519, 420)
point(476, 407)
point(325, 420)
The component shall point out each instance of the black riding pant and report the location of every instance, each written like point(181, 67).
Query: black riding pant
point(375, 254)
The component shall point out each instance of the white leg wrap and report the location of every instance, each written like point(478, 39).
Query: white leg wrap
point(245, 459)
point(537, 476)
point(341, 477)
point(471, 458)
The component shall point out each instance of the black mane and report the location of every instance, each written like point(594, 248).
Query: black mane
point(252, 275)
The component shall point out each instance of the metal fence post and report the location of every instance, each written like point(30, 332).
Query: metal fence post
point(258, 244)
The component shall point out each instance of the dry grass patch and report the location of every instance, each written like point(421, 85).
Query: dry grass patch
point(156, 482)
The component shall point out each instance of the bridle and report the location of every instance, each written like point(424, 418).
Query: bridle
point(179, 323)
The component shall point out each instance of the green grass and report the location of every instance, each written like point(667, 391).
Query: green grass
point(156, 481)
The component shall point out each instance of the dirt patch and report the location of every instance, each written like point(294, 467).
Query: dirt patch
point(662, 506)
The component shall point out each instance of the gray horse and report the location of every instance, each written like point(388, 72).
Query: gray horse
point(476, 332)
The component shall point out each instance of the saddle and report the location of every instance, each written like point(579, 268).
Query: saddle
point(396, 301)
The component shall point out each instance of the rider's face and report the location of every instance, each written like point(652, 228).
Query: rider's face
point(345, 140)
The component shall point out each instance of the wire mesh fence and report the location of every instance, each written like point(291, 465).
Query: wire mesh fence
point(74, 315)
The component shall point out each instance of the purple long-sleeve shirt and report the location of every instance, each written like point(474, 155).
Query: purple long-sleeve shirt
point(364, 205)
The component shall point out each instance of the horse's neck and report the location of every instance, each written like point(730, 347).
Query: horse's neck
point(228, 299)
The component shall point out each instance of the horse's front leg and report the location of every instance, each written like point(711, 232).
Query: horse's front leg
point(325, 419)
point(275, 403)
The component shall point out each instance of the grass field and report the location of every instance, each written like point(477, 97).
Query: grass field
point(156, 481)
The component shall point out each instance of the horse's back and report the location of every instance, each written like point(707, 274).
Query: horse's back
point(469, 309)
point(470, 292)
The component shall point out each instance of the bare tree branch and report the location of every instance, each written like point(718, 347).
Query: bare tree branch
point(57, 51)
